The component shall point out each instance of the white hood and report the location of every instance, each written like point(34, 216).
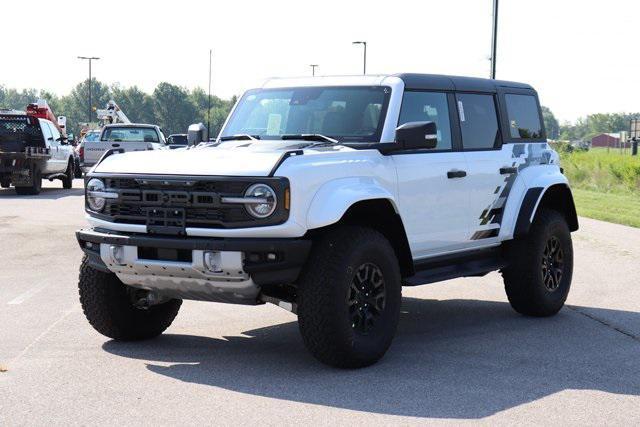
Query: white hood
point(233, 158)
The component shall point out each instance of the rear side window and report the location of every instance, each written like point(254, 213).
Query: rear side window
point(428, 107)
point(478, 121)
point(46, 131)
point(129, 134)
point(524, 118)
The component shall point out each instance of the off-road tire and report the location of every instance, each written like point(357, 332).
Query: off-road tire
point(109, 309)
point(325, 289)
point(524, 278)
point(34, 188)
point(67, 181)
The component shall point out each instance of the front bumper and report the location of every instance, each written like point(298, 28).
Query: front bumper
point(174, 266)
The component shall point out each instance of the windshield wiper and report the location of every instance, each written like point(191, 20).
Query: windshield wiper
point(240, 137)
point(310, 137)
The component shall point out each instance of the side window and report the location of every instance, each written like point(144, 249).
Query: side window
point(46, 132)
point(478, 121)
point(428, 107)
point(524, 118)
point(54, 133)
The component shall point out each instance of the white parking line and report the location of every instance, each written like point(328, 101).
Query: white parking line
point(26, 295)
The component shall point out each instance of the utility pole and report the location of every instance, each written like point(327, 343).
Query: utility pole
point(313, 69)
point(494, 39)
point(90, 58)
point(209, 100)
point(364, 68)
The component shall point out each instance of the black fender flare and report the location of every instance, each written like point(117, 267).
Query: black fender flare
point(555, 196)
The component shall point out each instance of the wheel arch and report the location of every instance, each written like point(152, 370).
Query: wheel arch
point(556, 196)
point(379, 214)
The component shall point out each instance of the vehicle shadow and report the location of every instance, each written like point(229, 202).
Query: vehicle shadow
point(46, 193)
point(450, 359)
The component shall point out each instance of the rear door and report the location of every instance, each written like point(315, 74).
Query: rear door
point(51, 165)
point(433, 197)
point(60, 155)
point(488, 165)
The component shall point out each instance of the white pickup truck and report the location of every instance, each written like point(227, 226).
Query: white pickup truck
point(32, 149)
point(122, 137)
point(325, 196)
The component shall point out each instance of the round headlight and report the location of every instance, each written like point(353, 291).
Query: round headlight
point(261, 209)
point(95, 203)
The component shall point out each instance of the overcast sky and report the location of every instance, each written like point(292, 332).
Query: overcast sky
point(581, 56)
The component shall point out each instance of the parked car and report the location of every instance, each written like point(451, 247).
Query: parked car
point(32, 149)
point(122, 137)
point(325, 196)
point(177, 140)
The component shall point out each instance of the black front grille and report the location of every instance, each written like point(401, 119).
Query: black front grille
point(197, 200)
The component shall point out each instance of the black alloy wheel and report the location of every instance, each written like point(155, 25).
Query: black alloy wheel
point(367, 297)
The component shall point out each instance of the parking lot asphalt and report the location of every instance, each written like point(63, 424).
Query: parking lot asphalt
point(461, 354)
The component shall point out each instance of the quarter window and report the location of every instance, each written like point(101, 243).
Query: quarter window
point(478, 121)
point(524, 118)
point(428, 107)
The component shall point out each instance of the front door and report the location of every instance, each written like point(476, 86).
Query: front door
point(433, 197)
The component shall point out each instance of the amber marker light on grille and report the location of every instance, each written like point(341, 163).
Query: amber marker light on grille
point(287, 199)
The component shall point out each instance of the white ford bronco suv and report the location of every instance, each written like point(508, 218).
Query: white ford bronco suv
point(325, 196)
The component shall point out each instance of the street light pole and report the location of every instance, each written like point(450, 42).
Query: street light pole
point(209, 100)
point(494, 39)
point(313, 69)
point(90, 58)
point(364, 69)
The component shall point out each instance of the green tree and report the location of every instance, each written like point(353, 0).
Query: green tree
point(173, 110)
point(550, 123)
point(76, 105)
point(136, 104)
point(18, 100)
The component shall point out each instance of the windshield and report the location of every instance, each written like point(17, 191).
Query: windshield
point(130, 134)
point(92, 136)
point(348, 114)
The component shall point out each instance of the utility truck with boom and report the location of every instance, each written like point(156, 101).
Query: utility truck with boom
point(34, 146)
point(117, 132)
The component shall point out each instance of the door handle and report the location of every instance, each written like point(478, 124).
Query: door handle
point(115, 145)
point(508, 171)
point(456, 174)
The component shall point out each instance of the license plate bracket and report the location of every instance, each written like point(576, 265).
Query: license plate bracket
point(166, 221)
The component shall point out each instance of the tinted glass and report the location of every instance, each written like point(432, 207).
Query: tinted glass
point(178, 140)
point(428, 107)
point(524, 118)
point(349, 114)
point(130, 134)
point(478, 121)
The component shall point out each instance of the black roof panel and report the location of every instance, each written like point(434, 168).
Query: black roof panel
point(442, 82)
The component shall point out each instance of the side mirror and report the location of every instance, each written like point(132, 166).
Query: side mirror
point(417, 135)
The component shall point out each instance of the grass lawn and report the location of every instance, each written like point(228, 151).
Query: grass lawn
point(605, 184)
point(611, 207)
